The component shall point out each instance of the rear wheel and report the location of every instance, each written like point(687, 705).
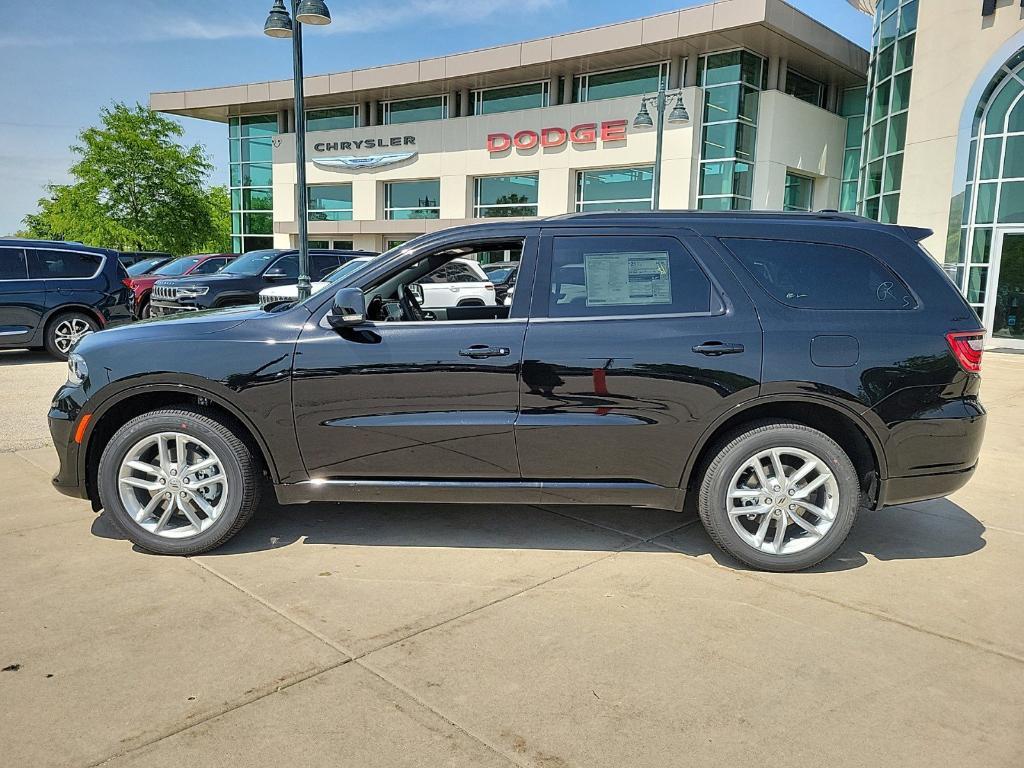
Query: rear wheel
point(779, 496)
point(64, 331)
point(178, 482)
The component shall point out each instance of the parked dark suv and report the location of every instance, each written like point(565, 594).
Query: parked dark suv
point(53, 293)
point(241, 281)
point(784, 370)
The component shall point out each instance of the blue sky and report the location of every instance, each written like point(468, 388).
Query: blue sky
point(62, 60)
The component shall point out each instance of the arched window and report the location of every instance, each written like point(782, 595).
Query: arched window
point(994, 194)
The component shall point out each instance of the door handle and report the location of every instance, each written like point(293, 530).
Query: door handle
point(716, 348)
point(480, 351)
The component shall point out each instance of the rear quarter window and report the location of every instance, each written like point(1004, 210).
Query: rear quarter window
point(55, 265)
point(820, 275)
point(12, 264)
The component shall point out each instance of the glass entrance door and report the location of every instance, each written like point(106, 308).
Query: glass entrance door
point(1004, 312)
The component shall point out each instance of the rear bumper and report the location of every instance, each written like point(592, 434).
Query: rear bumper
point(905, 490)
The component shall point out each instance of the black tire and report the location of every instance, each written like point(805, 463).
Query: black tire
point(145, 311)
point(730, 456)
point(239, 464)
point(54, 337)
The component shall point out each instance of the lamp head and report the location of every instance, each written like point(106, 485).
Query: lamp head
point(679, 113)
point(313, 12)
point(279, 23)
point(643, 117)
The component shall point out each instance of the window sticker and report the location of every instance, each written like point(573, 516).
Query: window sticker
point(615, 279)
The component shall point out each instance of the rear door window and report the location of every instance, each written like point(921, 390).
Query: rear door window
point(624, 275)
point(12, 264)
point(820, 275)
point(57, 265)
point(208, 267)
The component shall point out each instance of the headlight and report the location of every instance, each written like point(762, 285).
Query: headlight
point(78, 371)
point(192, 291)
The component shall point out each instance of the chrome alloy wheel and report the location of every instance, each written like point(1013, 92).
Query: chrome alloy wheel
point(783, 500)
point(172, 485)
point(68, 332)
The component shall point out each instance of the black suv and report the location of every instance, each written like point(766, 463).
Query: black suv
point(241, 281)
point(782, 370)
point(53, 293)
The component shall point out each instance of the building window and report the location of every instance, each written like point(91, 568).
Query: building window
point(330, 202)
point(415, 110)
point(488, 101)
point(332, 119)
point(732, 83)
point(251, 180)
point(413, 199)
point(994, 193)
point(615, 189)
point(888, 98)
point(338, 245)
point(619, 82)
point(852, 108)
point(497, 196)
point(799, 194)
point(805, 89)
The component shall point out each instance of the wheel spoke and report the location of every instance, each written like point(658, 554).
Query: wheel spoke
point(199, 467)
point(759, 471)
point(762, 531)
point(203, 505)
point(203, 482)
point(805, 524)
point(745, 493)
point(180, 450)
point(803, 472)
point(781, 523)
point(813, 485)
point(777, 468)
point(164, 518)
point(740, 511)
point(138, 482)
point(146, 511)
point(824, 514)
point(190, 514)
point(163, 453)
point(142, 466)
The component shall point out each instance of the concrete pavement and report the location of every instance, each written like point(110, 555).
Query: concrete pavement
point(489, 636)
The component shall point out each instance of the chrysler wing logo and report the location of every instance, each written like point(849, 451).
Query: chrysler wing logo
point(358, 162)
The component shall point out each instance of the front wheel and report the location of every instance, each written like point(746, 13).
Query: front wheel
point(178, 482)
point(779, 496)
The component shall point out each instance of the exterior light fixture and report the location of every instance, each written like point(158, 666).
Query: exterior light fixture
point(645, 120)
point(282, 24)
point(279, 23)
point(313, 12)
point(679, 113)
point(643, 117)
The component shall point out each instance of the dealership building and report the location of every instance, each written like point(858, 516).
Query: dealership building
point(926, 128)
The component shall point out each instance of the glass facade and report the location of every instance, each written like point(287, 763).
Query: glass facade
point(497, 196)
point(994, 194)
point(615, 189)
point(341, 245)
point(885, 129)
point(415, 110)
point(251, 181)
point(852, 108)
point(332, 119)
point(330, 202)
point(619, 82)
point(732, 83)
point(413, 199)
point(805, 88)
point(488, 101)
point(799, 195)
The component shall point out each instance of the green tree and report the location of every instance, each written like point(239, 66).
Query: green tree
point(135, 188)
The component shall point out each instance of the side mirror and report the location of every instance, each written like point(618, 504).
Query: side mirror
point(348, 310)
point(275, 274)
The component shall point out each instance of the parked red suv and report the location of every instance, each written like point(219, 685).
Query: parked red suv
point(203, 264)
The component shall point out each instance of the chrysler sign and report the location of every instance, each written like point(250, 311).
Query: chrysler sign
point(585, 133)
point(374, 143)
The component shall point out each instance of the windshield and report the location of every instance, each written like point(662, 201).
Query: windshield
point(178, 266)
point(252, 263)
point(346, 269)
point(142, 267)
point(498, 275)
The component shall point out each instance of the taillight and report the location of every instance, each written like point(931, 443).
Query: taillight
point(967, 348)
point(127, 283)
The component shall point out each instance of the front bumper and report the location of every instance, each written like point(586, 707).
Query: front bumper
point(63, 422)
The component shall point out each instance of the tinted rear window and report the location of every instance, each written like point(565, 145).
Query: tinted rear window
point(53, 265)
point(821, 276)
point(12, 264)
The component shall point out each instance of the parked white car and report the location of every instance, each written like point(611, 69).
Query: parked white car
point(459, 283)
point(278, 293)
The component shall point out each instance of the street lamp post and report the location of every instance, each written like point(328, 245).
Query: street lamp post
point(280, 24)
point(643, 120)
